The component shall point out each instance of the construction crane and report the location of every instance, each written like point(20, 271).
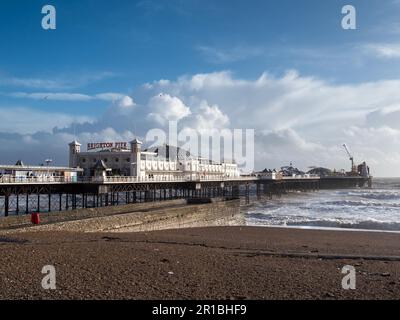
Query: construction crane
point(353, 168)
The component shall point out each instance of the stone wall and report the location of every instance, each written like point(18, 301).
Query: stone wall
point(138, 217)
point(24, 220)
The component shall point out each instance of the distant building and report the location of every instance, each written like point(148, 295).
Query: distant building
point(21, 173)
point(322, 172)
point(163, 162)
point(290, 171)
point(269, 174)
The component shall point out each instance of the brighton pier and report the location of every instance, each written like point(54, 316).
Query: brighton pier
point(118, 176)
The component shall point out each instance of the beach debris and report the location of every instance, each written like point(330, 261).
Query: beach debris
point(13, 240)
point(35, 218)
point(170, 273)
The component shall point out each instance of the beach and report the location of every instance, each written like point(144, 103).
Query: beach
point(201, 263)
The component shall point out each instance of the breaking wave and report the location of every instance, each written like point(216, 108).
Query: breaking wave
point(370, 209)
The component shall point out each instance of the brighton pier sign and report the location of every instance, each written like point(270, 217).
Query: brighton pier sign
point(107, 145)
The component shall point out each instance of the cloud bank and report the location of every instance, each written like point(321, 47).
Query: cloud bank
point(296, 118)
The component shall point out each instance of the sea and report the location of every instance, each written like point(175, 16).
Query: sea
point(377, 208)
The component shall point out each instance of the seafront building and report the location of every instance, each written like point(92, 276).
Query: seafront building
point(158, 163)
point(25, 173)
point(121, 160)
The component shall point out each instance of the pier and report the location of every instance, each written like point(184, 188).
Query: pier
point(47, 194)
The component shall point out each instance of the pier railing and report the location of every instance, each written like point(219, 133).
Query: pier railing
point(130, 179)
point(114, 179)
point(37, 180)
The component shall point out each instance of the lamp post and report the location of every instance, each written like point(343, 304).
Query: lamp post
point(48, 161)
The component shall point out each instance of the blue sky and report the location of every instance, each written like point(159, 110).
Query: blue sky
point(102, 51)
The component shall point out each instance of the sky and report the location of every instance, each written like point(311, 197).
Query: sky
point(111, 71)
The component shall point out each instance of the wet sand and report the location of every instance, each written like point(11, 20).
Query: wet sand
point(201, 263)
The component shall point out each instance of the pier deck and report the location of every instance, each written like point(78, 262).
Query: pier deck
point(44, 194)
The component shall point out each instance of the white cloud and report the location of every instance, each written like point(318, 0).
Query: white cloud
point(289, 101)
point(305, 118)
point(238, 53)
point(28, 121)
point(121, 99)
point(126, 102)
point(52, 96)
point(164, 107)
point(384, 50)
point(210, 117)
point(296, 118)
point(107, 134)
point(55, 83)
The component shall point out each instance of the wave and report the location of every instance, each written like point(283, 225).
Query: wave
point(330, 223)
point(369, 209)
point(359, 203)
point(381, 196)
point(374, 195)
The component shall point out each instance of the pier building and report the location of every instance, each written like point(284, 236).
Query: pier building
point(25, 173)
point(161, 163)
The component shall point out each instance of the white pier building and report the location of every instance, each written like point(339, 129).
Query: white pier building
point(161, 163)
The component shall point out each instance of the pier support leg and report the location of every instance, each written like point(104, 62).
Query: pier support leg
point(235, 192)
point(6, 205)
point(17, 209)
point(27, 204)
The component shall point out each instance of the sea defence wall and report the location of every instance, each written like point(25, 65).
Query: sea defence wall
point(345, 182)
point(133, 217)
